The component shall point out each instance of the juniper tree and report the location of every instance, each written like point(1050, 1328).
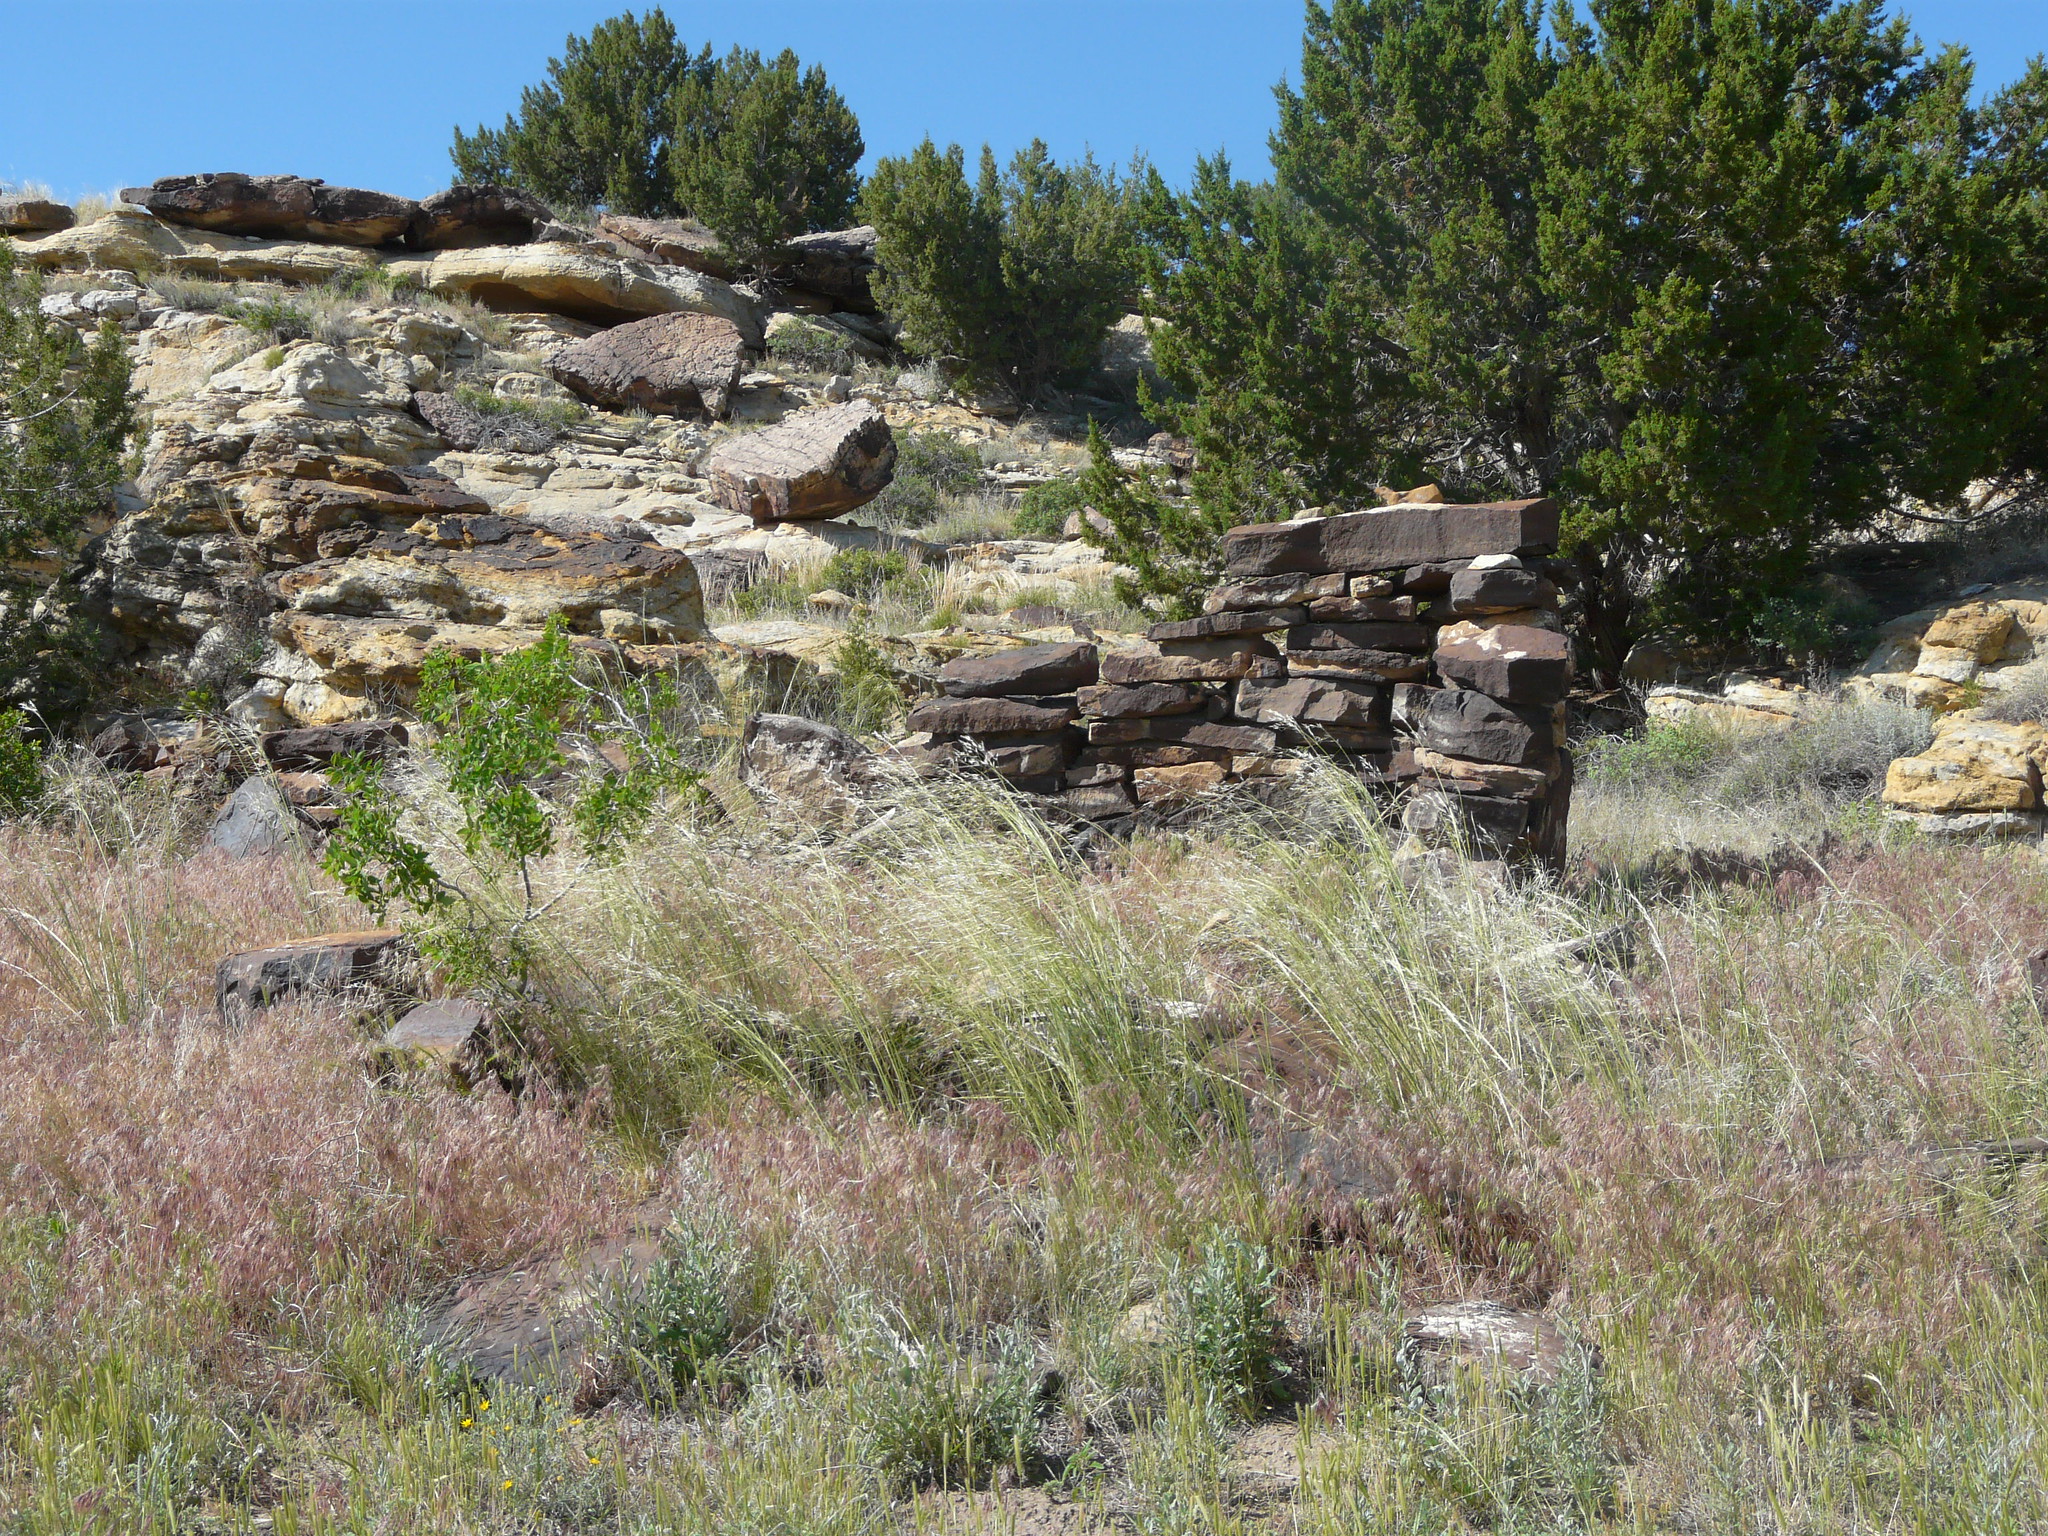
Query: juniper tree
point(1723, 276)
point(65, 415)
point(763, 151)
point(1016, 278)
point(597, 131)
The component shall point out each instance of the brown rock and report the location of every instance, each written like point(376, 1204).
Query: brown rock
point(1465, 774)
point(1169, 786)
point(1274, 591)
point(1165, 754)
point(1113, 701)
point(1190, 661)
point(316, 747)
point(1229, 621)
point(986, 717)
point(666, 364)
point(1098, 802)
point(1060, 667)
point(1362, 610)
point(1383, 538)
point(1514, 662)
point(837, 263)
point(816, 464)
point(1307, 701)
point(676, 242)
point(1432, 579)
point(293, 207)
point(1192, 732)
point(1466, 724)
point(1499, 589)
point(1359, 666)
point(1359, 637)
point(33, 216)
point(332, 963)
point(474, 214)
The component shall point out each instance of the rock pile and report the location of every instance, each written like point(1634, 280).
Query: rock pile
point(1418, 642)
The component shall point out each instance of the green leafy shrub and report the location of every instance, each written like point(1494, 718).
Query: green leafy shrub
point(925, 1415)
point(867, 693)
point(22, 778)
point(557, 414)
point(930, 468)
point(802, 345)
point(1014, 280)
point(66, 413)
point(271, 315)
point(862, 573)
point(1224, 1322)
point(672, 1329)
point(500, 724)
point(1043, 510)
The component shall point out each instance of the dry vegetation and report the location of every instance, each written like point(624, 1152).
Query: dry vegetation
point(938, 1105)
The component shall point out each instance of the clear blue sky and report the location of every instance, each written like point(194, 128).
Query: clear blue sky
point(98, 94)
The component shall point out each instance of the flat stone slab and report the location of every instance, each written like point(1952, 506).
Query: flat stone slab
point(1383, 538)
point(328, 963)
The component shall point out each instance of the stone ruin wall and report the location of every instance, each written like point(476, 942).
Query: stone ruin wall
point(1418, 644)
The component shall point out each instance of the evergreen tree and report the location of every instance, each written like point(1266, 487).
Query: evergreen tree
point(764, 151)
point(597, 132)
point(1014, 280)
point(1723, 276)
point(65, 415)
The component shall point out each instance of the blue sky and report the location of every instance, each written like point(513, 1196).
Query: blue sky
point(100, 94)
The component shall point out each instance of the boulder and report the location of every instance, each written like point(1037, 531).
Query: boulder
point(315, 748)
point(256, 819)
point(789, 757)
point(33, 216)
point(474, 214)
point(1514, 662)
point(1030, 670)
point(467, 430)
point(603, 290)
point(441, 1030)
point(1973, 767)
point(291, 206)
point(484, 570)
point(665, 364)
point(1490, 1337)
point(1382, 538)
point(816, 464)
point(332, 963)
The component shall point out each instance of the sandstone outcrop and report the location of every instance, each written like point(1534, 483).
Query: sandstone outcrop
point(566, 281)
point(814, 465)
point(33, 216)
point(1978, 776)
point(666, 364)
point(294, 207)
point(1957, 655)
point(476, 214)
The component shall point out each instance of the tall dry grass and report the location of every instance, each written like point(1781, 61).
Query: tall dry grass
point(953, 1100)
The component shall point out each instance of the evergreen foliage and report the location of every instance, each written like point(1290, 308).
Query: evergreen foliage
point(1015, 279)
point(632, 121)
point(1726, 278)
point(65, 414)
point(597, 132)
point(764, 151)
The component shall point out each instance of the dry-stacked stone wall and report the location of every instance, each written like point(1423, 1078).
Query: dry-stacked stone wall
point(1420, 644)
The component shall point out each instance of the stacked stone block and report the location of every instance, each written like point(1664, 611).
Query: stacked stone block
point(1420, 644)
